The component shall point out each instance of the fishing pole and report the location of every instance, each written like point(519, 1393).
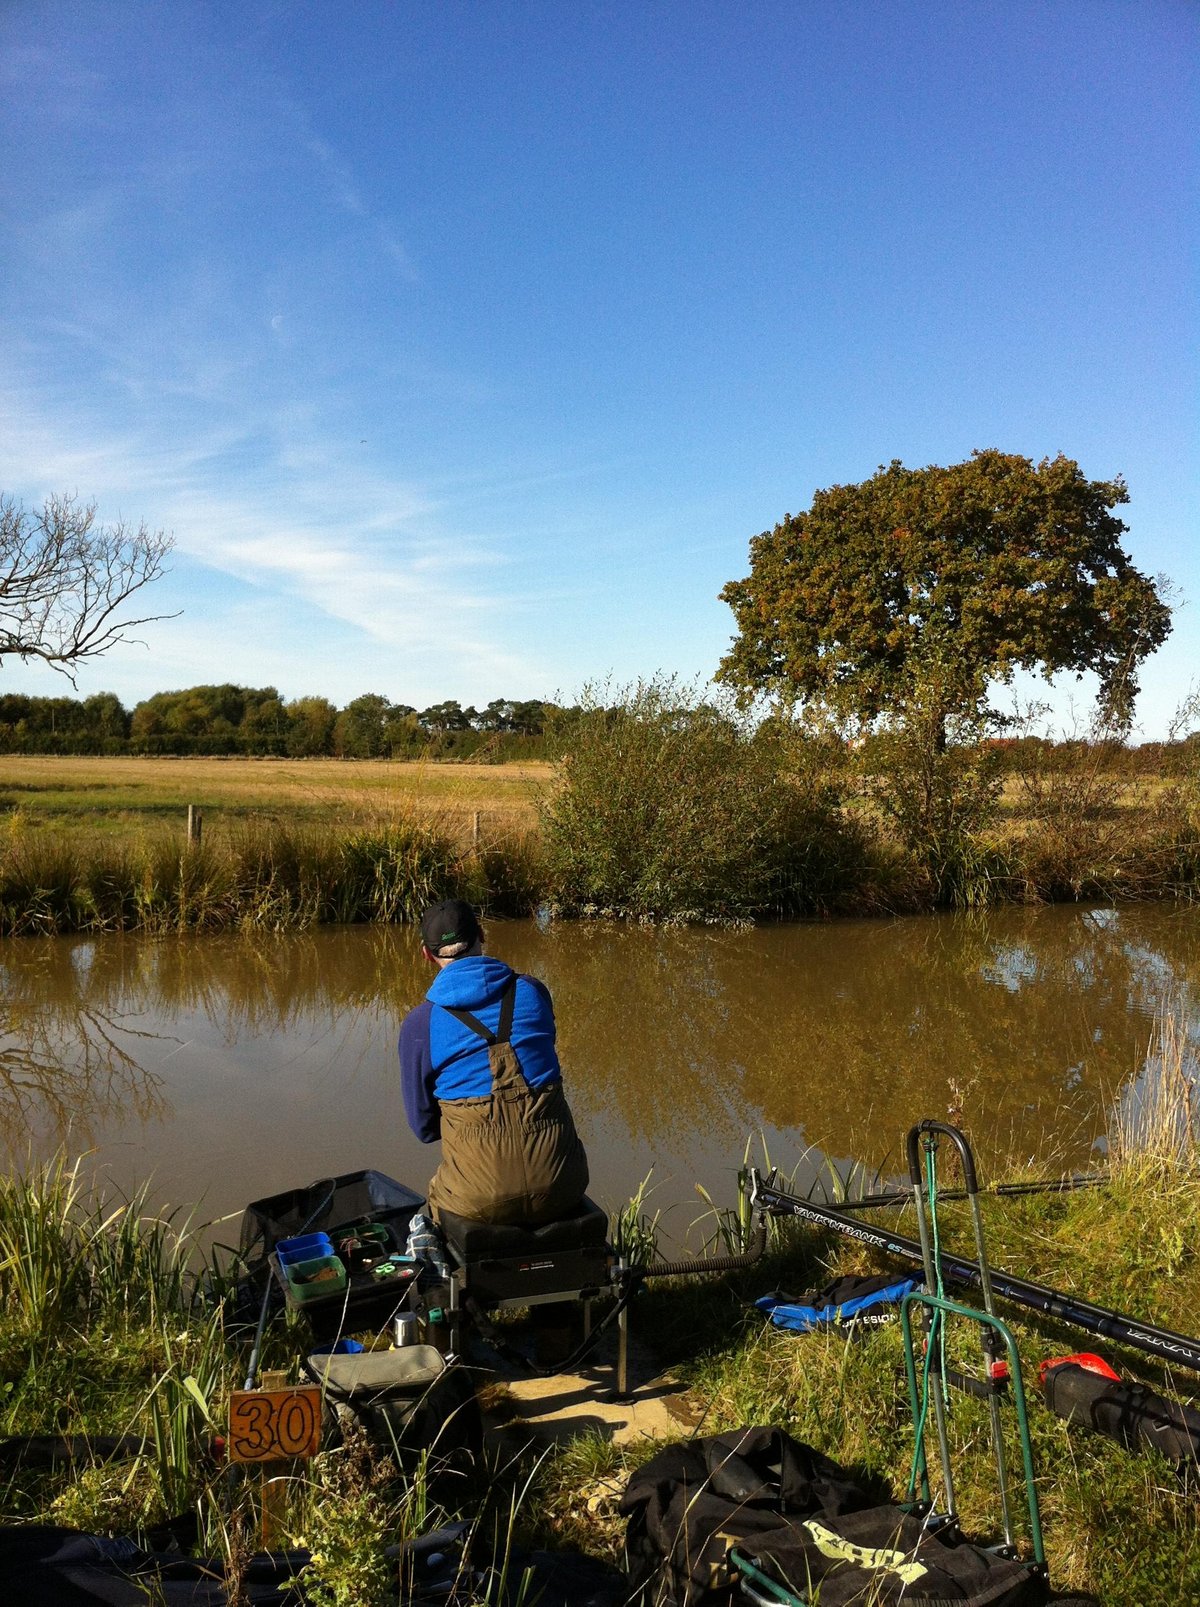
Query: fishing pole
point(1049, 1185)
point(1161, 1343)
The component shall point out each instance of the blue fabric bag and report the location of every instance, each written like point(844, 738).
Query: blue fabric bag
point(850, 1303)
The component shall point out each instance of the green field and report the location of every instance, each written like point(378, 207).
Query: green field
point(119, 795)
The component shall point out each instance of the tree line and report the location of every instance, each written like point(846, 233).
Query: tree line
point(257, 722)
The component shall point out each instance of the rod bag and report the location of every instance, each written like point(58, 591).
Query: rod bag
point(1133, 1414)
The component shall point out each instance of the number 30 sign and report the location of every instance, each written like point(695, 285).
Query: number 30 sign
point(269, 1425)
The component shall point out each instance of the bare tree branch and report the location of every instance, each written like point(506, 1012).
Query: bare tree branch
point(65, 580)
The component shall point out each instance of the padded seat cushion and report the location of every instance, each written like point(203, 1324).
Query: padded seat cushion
point(378, 1372)
point(468, 1241)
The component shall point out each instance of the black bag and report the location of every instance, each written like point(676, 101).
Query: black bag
point(45, 1566)
point(408, 1400)
point(1132, 1414)
point(804, 1522)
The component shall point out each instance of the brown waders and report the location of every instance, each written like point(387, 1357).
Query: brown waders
point(512, 1156)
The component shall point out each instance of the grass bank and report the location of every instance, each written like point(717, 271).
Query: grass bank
point(112, 1351)
point(259, 875)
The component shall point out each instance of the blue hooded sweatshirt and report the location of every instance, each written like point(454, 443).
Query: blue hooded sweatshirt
point(441, 1059)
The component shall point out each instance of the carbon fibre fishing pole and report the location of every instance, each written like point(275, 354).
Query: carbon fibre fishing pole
point(1048, 1185)
point(1161, 1343)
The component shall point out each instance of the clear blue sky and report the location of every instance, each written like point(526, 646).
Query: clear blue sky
point(464, 347)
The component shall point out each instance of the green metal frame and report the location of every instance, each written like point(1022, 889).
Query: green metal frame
point(952, 1308)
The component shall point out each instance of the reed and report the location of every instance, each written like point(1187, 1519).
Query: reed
point(1157, 1119)
point(68, 1258)
point(633, 1230)
point(267, 877)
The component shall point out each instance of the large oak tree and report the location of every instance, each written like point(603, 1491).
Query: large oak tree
point(937, 583)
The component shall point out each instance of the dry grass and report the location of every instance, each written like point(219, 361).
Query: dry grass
point(122, 795)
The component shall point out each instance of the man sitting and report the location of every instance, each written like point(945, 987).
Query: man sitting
point(479, 1070)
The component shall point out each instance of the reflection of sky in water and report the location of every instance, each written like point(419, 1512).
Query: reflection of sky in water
point(1011, 967)
point(231, 1067)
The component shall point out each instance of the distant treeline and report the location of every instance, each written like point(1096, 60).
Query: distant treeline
point(255, 721)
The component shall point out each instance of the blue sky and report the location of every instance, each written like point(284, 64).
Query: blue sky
point(463, 347)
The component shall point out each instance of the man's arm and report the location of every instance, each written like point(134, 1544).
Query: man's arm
point(416, 1075)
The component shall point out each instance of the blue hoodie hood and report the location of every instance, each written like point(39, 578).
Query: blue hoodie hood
point(471, 983)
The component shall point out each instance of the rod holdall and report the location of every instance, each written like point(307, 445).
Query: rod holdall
point(701, 1513)
point(1136, 1416)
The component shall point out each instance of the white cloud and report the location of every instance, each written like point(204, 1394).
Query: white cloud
point(366, 552)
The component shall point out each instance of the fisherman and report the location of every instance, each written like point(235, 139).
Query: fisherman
point(479, 1070)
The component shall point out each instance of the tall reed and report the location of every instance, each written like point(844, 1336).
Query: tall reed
point(1157, 1120)
point(268, 877)
point(69, 1258)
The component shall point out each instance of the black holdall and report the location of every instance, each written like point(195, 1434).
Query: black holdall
point(697, 1512)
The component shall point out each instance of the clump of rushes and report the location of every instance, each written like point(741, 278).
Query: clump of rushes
point(265, 877)
point(103, 1340)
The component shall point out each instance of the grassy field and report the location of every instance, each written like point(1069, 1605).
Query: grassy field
point(118, 795)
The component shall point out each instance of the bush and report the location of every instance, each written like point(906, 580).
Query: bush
point(937, 783)
point(667, 807)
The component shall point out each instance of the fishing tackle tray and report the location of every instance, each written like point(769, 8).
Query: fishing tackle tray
point(361, 1302)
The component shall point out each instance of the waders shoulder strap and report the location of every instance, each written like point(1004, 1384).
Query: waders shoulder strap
point(503, 1030)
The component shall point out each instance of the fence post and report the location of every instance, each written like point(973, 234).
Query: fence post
point(475, 829)
point(195, 820)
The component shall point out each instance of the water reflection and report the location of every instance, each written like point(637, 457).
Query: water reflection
point(68, 1055)
point(230, 1067)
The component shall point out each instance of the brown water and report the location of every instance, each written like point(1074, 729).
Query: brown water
point(227, 1068)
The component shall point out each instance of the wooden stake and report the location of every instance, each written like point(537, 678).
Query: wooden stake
point(195, 819)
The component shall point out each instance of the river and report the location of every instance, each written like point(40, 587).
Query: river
point(223, 1069)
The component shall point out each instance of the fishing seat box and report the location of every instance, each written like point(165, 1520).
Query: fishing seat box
point(525, 1266)
point(365, 1303)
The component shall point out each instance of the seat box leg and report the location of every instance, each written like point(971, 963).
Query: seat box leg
point(623, 1354)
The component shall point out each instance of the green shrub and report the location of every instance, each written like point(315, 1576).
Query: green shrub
point(668, 807)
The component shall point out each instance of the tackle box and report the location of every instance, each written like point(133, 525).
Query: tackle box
point(360, 1205)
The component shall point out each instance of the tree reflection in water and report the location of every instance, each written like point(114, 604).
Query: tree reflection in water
point(71, 1054)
